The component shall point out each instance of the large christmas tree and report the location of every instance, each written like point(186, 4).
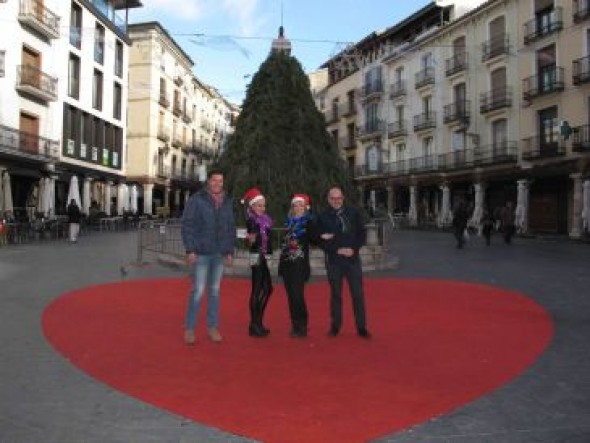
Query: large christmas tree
point(281, 144)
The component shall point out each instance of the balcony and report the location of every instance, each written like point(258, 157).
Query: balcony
point(33, 81)
point(497, 153)
point(347, 109)
point(498, 98)
point(163, 171)
point(392, 169)
point(533, 148)
point(332, 115)
point(495, 47)
point(25, 145)
point(542, 25)
point(178, 80)
point(346, 143)
point(398, 89)
point(2, 63)
point(459, 111)
point(372, 129)
point(581, 70)
point(35, 15)
point(456, 64)
point(548, 81)
point(581, 10)
point(397, 129)
point(187, 118)
point(176, 141)
point(425, 163)
point(164, 134)
point(372, 89)
point(177, 110)
point(425, 77)
point(424, 121)
point(581, 139)
point(163, 100)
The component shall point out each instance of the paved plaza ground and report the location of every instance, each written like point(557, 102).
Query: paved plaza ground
point(43, 398)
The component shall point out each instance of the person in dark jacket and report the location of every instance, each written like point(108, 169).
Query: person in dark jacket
point(74, 217)
point(487, 225)
point(294, 265)
point(208, 235)
point(460, 218)
point(507, 217)
point(259, 236)
point(341, 233)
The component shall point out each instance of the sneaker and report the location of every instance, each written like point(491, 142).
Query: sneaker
point(189, 337)
point(363, 333)
point(214, 335)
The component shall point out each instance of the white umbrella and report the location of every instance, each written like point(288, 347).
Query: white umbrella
point(133, 199)
point(121, 197)
point(7, 192)
point(41, 195)
point(49, 197)
point(74, 191)
point(478, 208)
point(446, 215)
point(521, 206)
point(86, 197)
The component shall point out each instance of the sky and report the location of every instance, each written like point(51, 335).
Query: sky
point(229, 39)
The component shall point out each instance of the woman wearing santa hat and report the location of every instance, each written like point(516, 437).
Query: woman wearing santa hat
point(294, 265)
point(258, 227)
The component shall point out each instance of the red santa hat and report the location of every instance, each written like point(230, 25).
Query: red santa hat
point(251, 196)
point(304, 198)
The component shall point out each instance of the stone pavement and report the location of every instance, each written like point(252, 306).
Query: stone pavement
point(43, 398)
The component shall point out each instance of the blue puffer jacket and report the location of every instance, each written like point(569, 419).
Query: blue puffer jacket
point(205, 229)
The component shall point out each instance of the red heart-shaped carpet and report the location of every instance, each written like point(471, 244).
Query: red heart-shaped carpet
point(437, 345)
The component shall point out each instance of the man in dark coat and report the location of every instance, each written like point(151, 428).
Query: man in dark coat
point(460, 218)
point(341, 233)
point(74, 217)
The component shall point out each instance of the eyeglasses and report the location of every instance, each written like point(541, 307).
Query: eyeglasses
point(336, 198)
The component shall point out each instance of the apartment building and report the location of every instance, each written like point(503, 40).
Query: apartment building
point(177, 124)
point(468, 100)
point(63, 101)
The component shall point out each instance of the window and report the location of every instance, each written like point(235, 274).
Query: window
point(399, 76)
point(399, 113)
point(86, 134)
point(76, 26)
point(74, 76)
point(459, 140)
point(499, 133)
point(427, 146)
point(99, 44)
point(117, 101)
point(70, 130)
point(118, 59)
point(426, 104)
point(97, 90)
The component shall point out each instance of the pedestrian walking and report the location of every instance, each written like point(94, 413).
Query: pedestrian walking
point(294, 265)
point(259, 236)
point(507, 217)
point(487, 225)
point(208, 235)
point(341, 234)
point(460, 218)
point(74, 217)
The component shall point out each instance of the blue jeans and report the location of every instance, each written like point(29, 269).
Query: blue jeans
point(208, 271)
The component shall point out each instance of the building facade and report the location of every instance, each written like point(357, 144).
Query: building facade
point(441, 115)
point(177, 124)
point(63, 102)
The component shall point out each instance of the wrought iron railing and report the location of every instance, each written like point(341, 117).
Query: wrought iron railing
point(346, 143)
point(426, 120)
point(581, 138)
point(548, 80)
point(542, 25)
point(456, 63)
point(500, 152)
point(163, 171)
point(370, 128)
point(33, 77)
point(460, 111)
point(495, 99)
point(536, 148)
point(424, 163)
point(374, 87)
point(425, 77)
point(581, 70)
point(36, 10)
point(398, 89)
point(398, 128)
point(163, 100)
point(22, 143)
point(164, 134)
point(494, 47)
point(581, 10)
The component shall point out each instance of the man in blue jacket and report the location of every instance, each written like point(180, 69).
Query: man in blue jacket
point(342, 233)
point(208, 234)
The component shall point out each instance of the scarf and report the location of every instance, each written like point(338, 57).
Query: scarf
point(264, 223)
point(296, 225)
point(343, 222)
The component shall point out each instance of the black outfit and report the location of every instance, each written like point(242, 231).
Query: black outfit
point(349, 232)
point(487, 226)
point(261, 280)
point(295, 270)
point(460, 217)
point(74, 213)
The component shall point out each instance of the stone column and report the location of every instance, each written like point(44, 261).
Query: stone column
point(148, 193)
point(576, 229)
point(478, 205)
point(413, 211)
point(522, 206)
point(446, 214)
point(107, 197)
point(167, 197)
point(86, 195)
point(586, 205)
point(177, 198)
